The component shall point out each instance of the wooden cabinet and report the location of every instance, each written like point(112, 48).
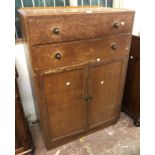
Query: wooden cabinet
point(131, 98)
point(23, 142)
point(77, 59)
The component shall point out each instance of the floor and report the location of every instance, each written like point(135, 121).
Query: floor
point(122, 138)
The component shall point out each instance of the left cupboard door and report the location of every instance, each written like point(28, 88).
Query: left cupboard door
point(64, 98)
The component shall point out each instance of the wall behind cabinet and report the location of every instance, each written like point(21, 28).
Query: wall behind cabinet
point(134, 5)
point(24, 83)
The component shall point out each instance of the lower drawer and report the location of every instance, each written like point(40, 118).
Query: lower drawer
point(72, 53)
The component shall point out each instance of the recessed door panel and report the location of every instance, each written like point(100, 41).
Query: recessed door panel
point(104, 87)
point(66, 107)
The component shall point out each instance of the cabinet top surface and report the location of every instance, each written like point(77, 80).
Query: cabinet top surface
point(35, 11)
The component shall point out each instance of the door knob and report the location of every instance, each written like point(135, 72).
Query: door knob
point(87, 98)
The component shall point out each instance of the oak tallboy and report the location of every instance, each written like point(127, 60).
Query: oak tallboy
point(77, 59)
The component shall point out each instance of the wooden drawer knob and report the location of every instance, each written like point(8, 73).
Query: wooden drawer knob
point(116, 24)
point(56, 31)
point(58, 56)
point(113, 46)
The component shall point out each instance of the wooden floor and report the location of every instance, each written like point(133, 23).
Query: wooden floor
point(120, 139)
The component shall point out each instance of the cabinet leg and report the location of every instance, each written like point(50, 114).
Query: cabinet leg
point(137, 123)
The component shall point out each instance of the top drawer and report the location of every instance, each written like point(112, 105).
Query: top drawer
point(50, 29)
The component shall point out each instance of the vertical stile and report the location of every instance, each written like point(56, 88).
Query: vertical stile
point(82, 2)
point(16, 33)
point(33, 4)
point(22, 3)
point(98, 2)
point(44, 3)
point(90, 2)
point(64, 2)
point(54, 3)
point(106, 3)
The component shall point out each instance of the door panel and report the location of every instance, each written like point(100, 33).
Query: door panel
point(104, 87)
point(66, 108)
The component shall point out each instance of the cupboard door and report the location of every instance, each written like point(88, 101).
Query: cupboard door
point(66, 107)
point(104, 87)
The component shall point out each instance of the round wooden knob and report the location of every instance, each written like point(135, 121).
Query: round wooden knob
point(58, 56)
point(116, 24)
point(56, 31)
point(113, 46)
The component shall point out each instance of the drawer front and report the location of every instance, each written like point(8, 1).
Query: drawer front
point(78, 27)
point(72, 53)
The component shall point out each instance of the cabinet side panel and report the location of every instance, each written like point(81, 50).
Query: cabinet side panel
point(34, 79)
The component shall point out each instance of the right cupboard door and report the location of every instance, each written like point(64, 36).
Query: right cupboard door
point(104, 88)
